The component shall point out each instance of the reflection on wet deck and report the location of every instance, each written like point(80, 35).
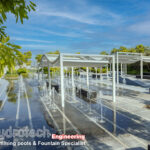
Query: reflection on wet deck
point(105, 125)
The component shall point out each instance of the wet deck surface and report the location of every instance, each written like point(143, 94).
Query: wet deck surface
point(38, 118)
point(105, 125)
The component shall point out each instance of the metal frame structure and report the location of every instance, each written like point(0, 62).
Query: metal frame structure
point(77, 60)
point(125, 58)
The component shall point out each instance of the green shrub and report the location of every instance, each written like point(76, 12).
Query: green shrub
point(133, 72)
point(22, 71)
point(11, 72)
point(25, 75)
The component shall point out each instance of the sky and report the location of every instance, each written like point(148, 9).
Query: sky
point(86, 26)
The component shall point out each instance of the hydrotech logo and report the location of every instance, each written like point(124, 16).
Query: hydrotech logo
point(25, 132)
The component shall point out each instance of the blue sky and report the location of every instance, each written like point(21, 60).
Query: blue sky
point(86, 26)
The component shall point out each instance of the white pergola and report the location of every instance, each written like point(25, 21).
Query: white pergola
point(77, 60)
point(124, 58)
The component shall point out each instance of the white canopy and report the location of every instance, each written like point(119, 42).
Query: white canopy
point(146, 59)
point(75, 60)
point(128, 58)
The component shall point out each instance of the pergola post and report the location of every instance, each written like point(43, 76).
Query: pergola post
point(73, 86)
point(62, 80)
point(117, 69)
point(49, 78)
point(87, 77)
point(113, 79)
point(141, 66)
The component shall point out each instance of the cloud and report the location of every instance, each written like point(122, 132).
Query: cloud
point(68, 34)
point(83, 25)
point(141, 28)
point(71, 16)
point(47, 47)
point(30, 40)
point(81, 12)
point(35, 46)
point(104, 18)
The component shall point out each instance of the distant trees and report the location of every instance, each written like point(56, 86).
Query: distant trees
point(38, 57)
point(104, 53)
point(121, 49)
point(138, 49)
point(55, 52)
